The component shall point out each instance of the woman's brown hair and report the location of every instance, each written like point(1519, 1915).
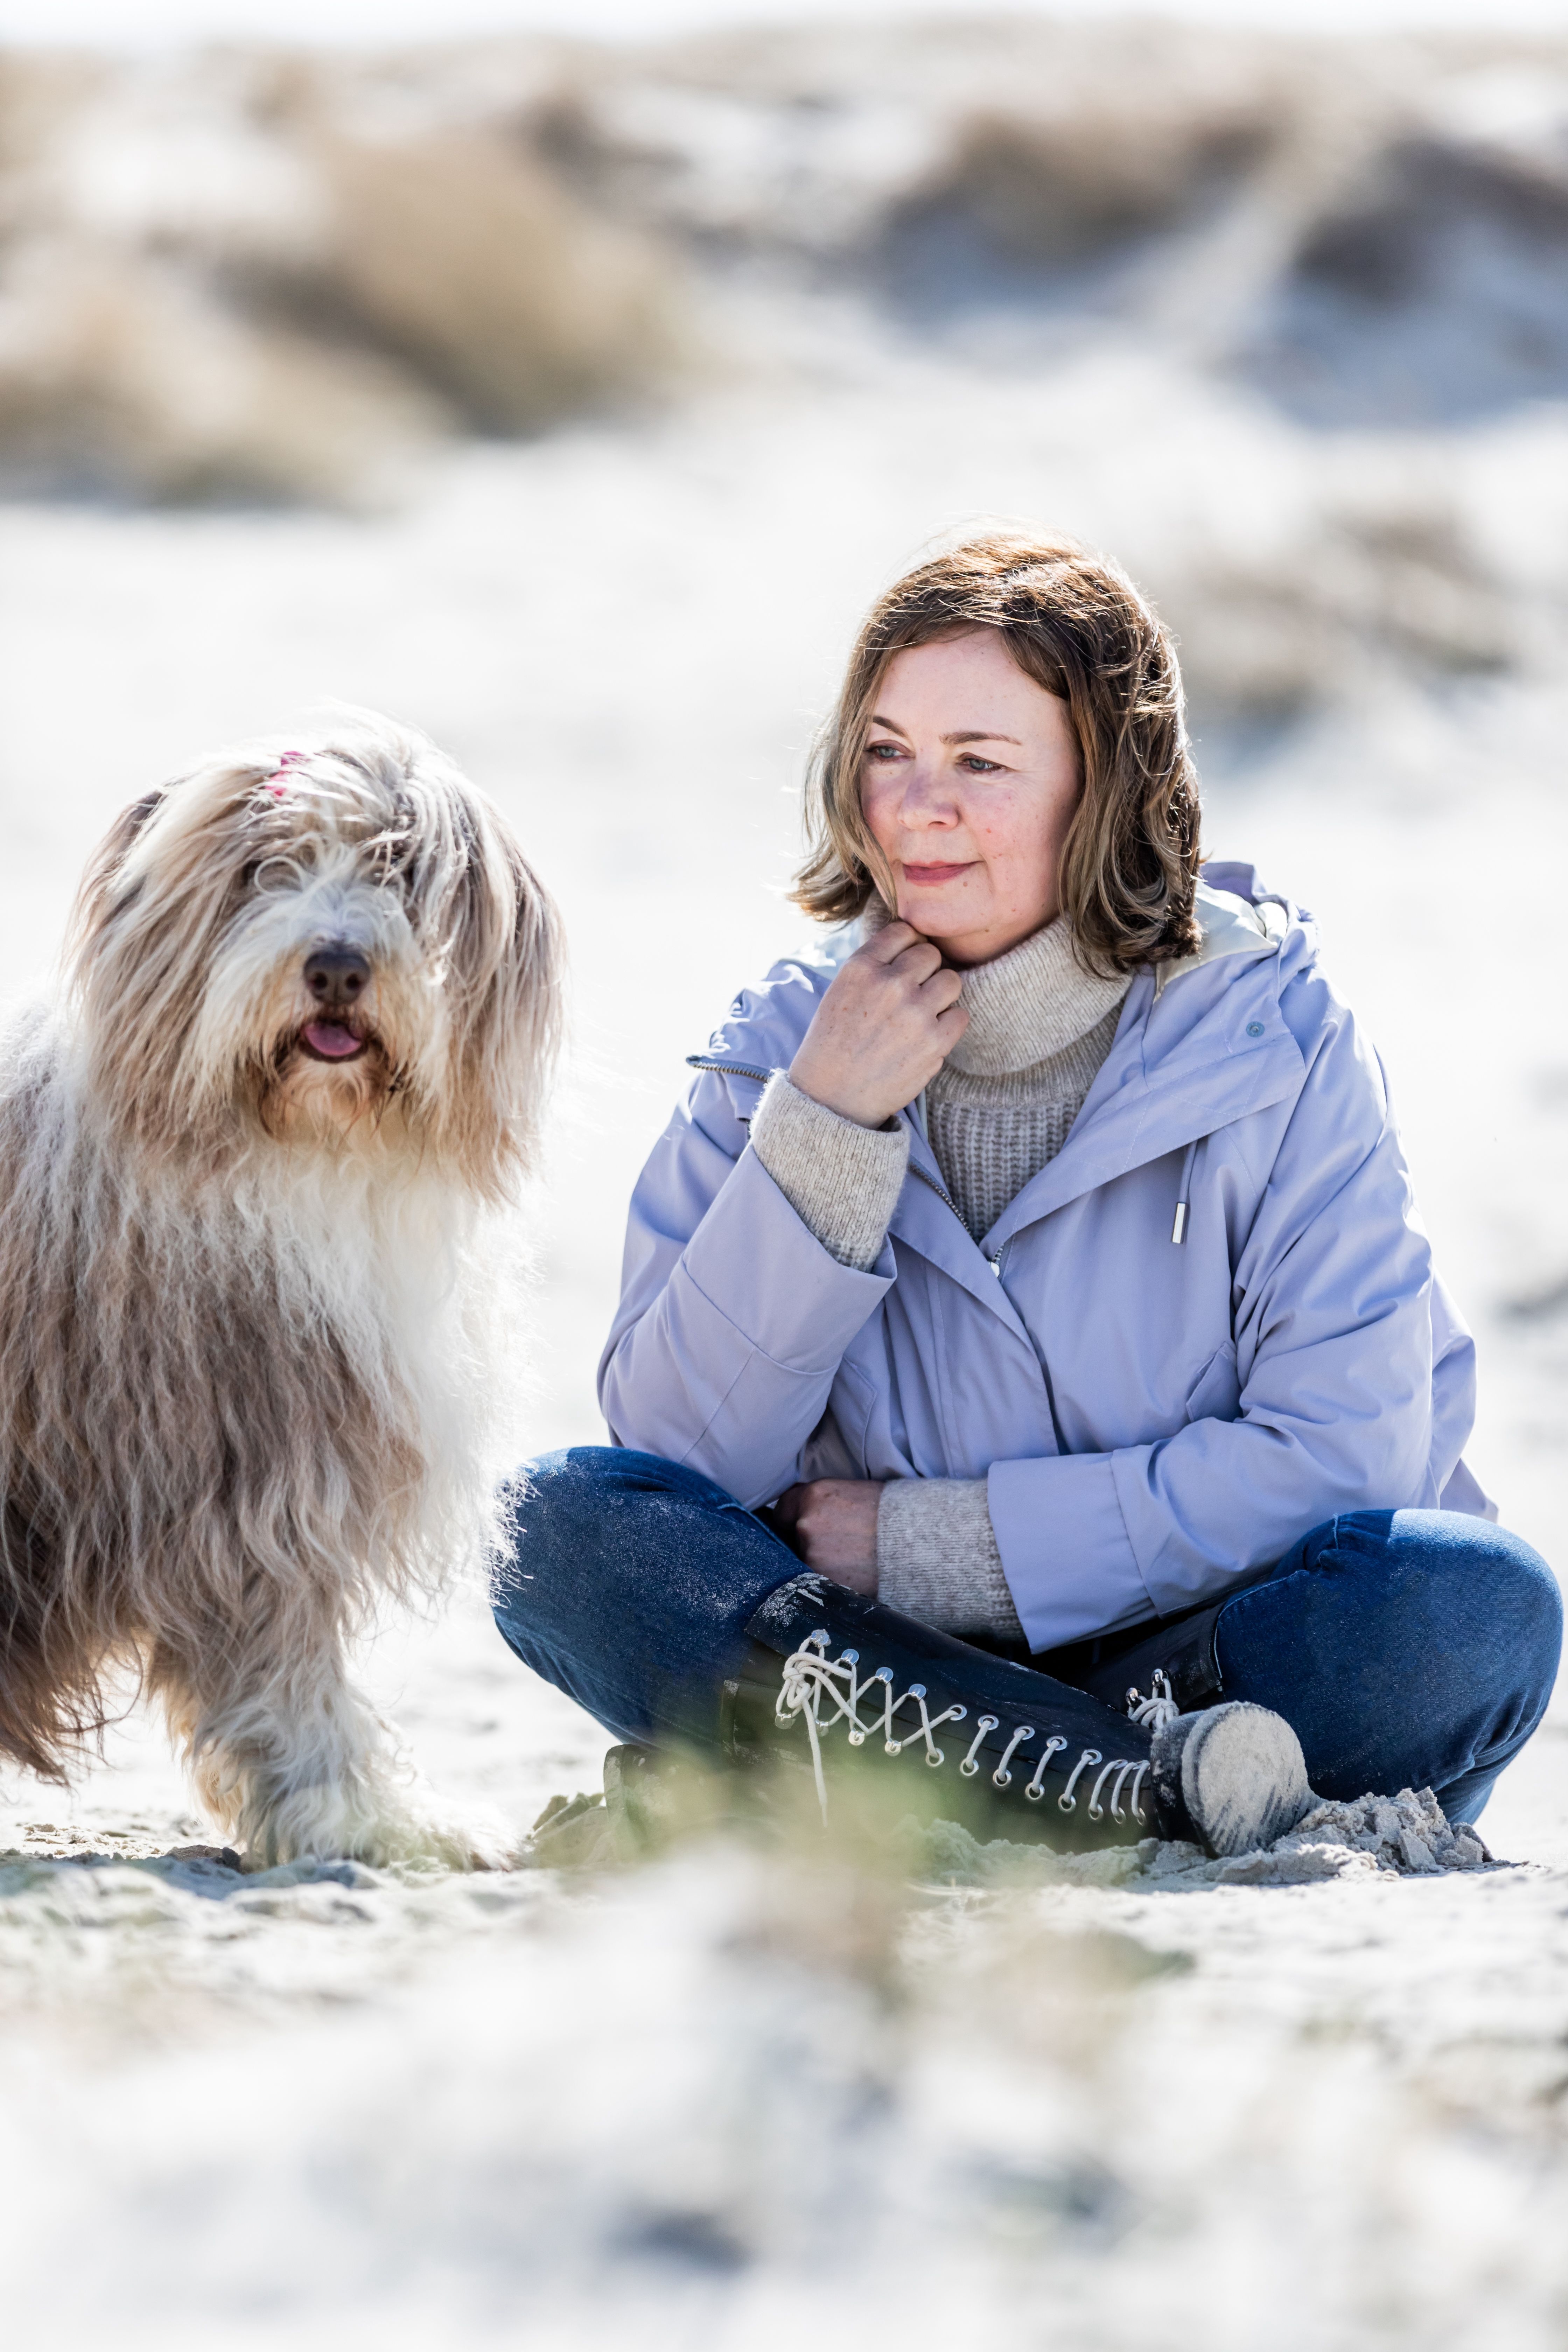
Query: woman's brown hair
point(1076, 625)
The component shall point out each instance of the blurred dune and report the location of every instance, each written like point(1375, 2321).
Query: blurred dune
point(259, 276)
point(254, 278)
point(463, 260)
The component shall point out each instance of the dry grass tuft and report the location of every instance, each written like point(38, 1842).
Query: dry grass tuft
point(116, 378)
point(217, 283)
point(1062, 191)
point(459, 257)
point(1365, 587)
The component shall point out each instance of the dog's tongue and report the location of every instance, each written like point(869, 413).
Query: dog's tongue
point(331, 1038)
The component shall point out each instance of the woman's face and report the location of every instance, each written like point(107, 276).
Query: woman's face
point(970, 780)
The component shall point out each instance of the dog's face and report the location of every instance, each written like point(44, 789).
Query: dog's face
point(335, 948)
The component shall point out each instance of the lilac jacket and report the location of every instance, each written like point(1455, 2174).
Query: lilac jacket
point(1156, 1417)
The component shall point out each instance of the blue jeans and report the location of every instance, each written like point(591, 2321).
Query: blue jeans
point(1408, 1649)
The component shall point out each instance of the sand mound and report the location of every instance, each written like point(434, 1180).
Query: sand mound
point(1405, 1836)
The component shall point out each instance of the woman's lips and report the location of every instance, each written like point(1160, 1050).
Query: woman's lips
point(331, 1040)
point(927, 875)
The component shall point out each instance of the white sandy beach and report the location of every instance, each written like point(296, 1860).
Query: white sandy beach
point(711, 2101)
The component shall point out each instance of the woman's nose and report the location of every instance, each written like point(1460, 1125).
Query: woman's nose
point(928, 797)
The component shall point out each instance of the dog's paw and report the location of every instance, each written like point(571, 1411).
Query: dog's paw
point(477, 1839)
point(398, 1827)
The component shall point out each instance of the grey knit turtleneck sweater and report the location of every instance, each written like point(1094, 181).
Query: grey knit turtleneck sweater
point(998, 1110)
point(1001, 1104)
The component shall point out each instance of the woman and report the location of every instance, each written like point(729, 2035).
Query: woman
point(1040, 1264)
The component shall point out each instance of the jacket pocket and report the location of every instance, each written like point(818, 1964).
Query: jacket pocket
point(1215, 1394)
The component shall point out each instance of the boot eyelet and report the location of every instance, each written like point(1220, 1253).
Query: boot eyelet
point(1002, 1777)
point(1037, 1788)
point(811, 1681)
point(1121, 1768)
point(1067, 1803)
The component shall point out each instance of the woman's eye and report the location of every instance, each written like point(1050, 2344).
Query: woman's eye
point(979, 767)
point(883, 751)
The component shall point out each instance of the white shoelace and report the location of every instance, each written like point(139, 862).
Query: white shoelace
point(1160, 1708)
point(811, 1677)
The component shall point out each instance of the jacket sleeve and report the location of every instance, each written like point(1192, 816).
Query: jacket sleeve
point(733, 1317)
point(1331, 1312)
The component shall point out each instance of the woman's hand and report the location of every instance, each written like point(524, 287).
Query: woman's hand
point(832, 1524)
point(882, 1032)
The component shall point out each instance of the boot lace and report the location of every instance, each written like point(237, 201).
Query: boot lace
point(1160, 1708)
point(811, 1679)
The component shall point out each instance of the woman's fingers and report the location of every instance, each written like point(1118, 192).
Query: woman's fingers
point(882, 1030)
point(889, 941)
point(944, 987)
point(920, 963)
point(786, 1510)
point(917, 962)
point(834, 1527)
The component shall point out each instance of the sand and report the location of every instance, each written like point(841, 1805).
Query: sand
point(721, 2098)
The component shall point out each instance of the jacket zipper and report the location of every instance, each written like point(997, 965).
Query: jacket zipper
point(943, 1194)
point(728, 1069)
point(940, 1189)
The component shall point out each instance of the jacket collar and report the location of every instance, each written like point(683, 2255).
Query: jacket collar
point(1194, 1050)
point(1143, 1106)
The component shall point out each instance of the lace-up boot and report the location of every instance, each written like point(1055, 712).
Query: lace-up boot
point(849, 1687)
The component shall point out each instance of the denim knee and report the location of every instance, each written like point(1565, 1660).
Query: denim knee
point(556, 1498)
point(628, 1582)
point(605, 1533)
point(581, 1476)
point(1405, 1647)
point(1457, 1618)
point(1490, 1588)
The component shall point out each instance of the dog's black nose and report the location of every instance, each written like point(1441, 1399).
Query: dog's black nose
point(336, 976)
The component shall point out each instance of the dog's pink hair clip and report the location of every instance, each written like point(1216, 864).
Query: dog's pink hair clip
point(275, 782)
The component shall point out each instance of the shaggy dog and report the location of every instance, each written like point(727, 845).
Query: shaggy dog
point(257, 1313)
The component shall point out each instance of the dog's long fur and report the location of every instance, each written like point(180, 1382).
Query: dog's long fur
point(257, 1309)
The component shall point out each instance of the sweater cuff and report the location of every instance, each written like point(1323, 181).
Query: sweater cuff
point(937, 1558)
point(841, 1180)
